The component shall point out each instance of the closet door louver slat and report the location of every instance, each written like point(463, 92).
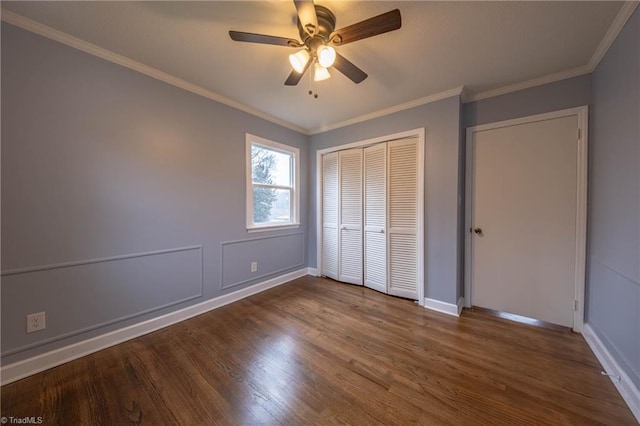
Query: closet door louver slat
point(330, 203)
point(375, 217)
point(403, 218)
point(370, 216)
point(350, 219)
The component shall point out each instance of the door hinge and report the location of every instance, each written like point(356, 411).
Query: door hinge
point(575, 305)
point(579, 134)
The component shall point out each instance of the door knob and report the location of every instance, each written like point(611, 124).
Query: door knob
point(478, 231)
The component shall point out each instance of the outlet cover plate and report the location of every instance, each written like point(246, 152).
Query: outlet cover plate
point(36, 322)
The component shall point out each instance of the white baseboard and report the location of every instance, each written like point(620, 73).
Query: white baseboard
point(313, 272)
point(444, 307)
point(628, 390)
point(21, 369)
point(460, 305)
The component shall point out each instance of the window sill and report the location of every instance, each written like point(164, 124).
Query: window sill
point(272, 227)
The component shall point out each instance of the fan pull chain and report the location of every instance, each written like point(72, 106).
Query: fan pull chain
point(311, 93)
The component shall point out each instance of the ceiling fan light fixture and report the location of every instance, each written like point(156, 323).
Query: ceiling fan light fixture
point(299, 60)
point(317, 29)
point(326, 55)
point(320, 73)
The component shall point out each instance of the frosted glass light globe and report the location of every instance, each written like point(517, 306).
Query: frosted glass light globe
point(320, 72)
point(326, 56)
point(299, 60)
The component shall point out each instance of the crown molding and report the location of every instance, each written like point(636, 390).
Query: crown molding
point(466, 95)
point(396, 108)
point(612, 33)
point(551, 78)
point(616, 26)
point(69, 40)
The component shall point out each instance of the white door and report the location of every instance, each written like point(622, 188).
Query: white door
point(372, 207)
point(350, 216)
point(524, 219)
point(330, 215)
point(375, 217)
point(402, 222)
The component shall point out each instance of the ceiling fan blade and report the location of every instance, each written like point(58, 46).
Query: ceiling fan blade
point(307, 15)
point(264, 39)
point(354, 73)
point(380, 24)
point(295, 76)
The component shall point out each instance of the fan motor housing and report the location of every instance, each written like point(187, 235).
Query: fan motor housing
point(326, 25)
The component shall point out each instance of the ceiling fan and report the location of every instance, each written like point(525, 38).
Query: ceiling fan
point(316, 25)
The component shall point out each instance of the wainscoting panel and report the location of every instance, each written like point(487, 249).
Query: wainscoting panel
point(273, 254)
point(81, 296)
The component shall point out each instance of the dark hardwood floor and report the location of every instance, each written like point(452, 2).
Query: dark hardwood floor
point(318, 352)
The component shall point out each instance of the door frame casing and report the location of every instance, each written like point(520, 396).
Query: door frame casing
point(582, 115)
point(420, 134)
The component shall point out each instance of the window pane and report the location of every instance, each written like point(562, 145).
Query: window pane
point(271, 205)
point(270, 167)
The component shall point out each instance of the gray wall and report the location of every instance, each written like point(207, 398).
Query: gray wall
point(613, 257)
point(563, 94)
point(442, 123)
point(462, 156)
point(136, 183)
point(123, 197)
point(613, 285)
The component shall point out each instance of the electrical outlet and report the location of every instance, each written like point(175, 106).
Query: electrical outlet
point(36, 322)
point(254, 266)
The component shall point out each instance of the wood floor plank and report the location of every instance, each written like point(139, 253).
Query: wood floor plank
point(314, 351)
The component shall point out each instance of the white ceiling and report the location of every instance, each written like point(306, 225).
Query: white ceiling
point(482, 46)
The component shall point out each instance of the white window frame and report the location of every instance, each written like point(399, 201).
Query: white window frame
point(251, 140)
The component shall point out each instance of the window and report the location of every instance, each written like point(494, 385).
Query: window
point(272, 184)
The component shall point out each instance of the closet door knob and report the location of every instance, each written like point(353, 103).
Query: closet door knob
point(478, 231)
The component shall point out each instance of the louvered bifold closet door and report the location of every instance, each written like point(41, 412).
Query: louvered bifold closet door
point(330, 200)
point(403, 218)
point(350, 218)
point(375, 217)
